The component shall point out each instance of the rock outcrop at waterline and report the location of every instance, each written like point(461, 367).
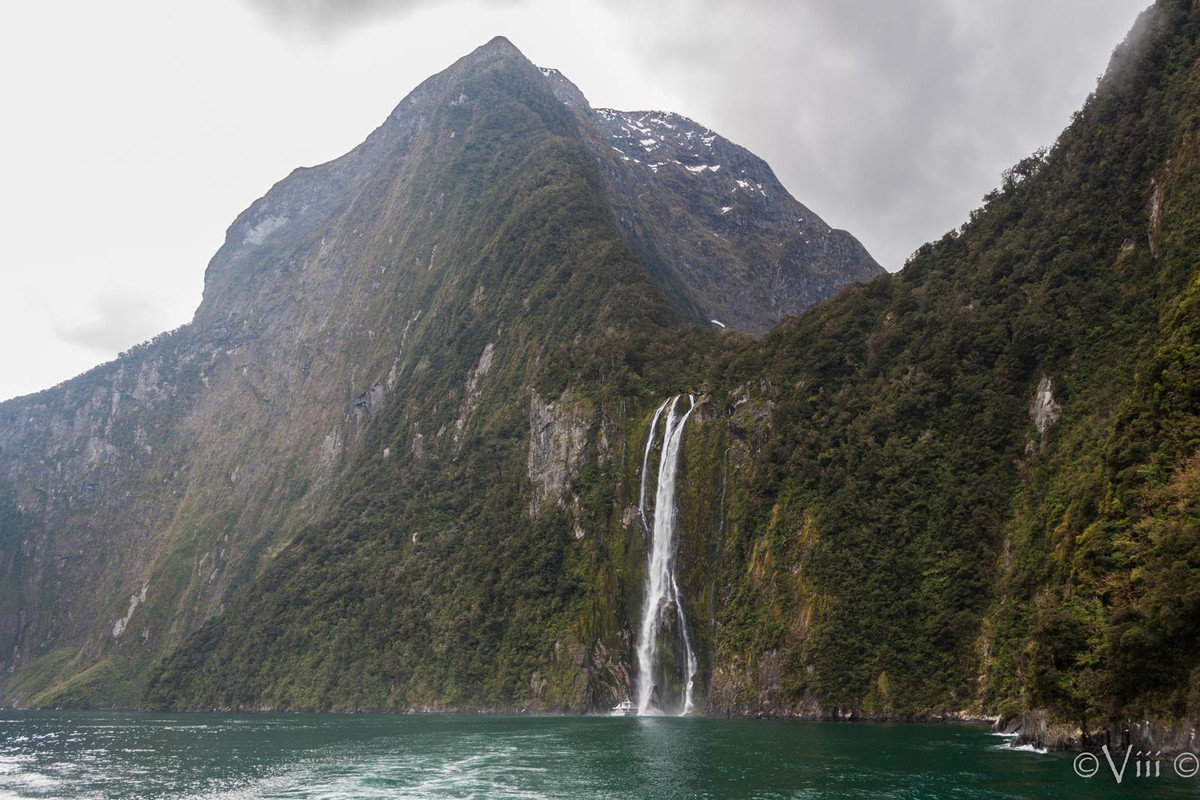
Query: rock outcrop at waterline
point(1154, 738)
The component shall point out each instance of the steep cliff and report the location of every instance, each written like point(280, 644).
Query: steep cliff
point(408, 306)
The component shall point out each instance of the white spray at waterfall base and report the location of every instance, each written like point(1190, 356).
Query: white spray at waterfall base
point(662, 588)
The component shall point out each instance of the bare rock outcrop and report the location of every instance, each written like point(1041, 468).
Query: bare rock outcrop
point(557, 441)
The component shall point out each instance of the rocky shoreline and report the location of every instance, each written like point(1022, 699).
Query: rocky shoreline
point(1151, 737)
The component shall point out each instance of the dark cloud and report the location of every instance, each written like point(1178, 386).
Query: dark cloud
point(329, 18)
point(330, 15)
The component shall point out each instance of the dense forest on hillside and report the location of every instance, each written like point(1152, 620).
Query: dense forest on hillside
point(956, 555)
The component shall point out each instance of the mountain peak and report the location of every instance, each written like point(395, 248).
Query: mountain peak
point(748, 255)
point(496, 48)
point(500, 42)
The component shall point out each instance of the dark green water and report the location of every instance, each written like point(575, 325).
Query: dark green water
point(73, 754)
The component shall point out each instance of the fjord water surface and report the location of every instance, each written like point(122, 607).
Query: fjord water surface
point(127, 755)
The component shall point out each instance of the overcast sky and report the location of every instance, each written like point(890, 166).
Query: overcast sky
point(134, 132)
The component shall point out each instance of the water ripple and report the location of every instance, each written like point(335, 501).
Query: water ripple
point(236, 757)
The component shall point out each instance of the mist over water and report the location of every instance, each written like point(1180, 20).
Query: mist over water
point(127, 755)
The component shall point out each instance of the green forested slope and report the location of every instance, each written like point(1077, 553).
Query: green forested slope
point(437, 329)
point(431, 583)
point(955, 556)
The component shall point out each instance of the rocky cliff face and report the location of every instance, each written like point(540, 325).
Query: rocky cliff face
point(725, 240)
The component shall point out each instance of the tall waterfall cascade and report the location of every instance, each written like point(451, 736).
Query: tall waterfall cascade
point(663, 610)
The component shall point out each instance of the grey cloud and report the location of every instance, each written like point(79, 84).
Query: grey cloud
point(330, 18)
point(117, 323)
point(890, 118)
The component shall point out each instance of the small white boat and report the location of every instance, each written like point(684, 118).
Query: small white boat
point(625, 708)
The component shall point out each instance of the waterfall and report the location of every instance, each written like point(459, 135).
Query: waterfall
point(646, 465)
point(662, 588)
